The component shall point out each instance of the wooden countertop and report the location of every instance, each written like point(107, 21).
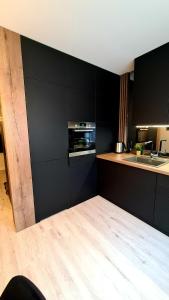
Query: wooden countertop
point(119, 158)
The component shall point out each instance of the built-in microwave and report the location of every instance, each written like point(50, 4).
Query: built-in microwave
point(82, 138)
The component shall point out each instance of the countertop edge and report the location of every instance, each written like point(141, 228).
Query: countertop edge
point(119, 158)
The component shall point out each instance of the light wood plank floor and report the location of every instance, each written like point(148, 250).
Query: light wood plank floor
point(94, 251)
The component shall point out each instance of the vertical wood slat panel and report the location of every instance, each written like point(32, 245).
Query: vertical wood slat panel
point(13, 104)
point(123, 108)
point(120, 112)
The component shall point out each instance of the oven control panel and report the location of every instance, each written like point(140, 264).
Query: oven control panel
point(72, 124)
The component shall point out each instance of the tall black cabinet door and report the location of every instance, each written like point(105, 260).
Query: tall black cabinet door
point(104, 139)
point(47, 120)
point(107, 97)
point(162, 204)
point(107, 110)
point(82, 178)
point(51, 187)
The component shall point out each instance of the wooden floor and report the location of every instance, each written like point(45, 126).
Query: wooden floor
point(92, 251)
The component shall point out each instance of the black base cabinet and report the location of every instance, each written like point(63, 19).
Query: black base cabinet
point(59, 185)
point(130, 188)
point(49, 182)
point(83, 180)
point(161, 219)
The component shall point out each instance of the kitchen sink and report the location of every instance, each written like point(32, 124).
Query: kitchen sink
point(154, 162)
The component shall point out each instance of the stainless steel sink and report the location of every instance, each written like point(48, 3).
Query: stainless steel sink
point(154, 162)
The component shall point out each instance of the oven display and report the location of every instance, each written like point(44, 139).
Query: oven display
point(82, 124)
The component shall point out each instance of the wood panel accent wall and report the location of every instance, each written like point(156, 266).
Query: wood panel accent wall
point(12, 96)
point(123, 108)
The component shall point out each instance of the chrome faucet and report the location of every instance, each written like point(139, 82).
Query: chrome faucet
point(148, 142)
point(151, 152)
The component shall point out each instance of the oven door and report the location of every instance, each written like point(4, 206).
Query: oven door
point(82, 141)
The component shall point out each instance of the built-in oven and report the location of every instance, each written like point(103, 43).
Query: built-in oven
point(82, 138)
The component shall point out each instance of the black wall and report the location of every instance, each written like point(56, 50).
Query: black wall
point(60, 88)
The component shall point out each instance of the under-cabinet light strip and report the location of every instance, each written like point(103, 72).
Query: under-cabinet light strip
point(154, 126)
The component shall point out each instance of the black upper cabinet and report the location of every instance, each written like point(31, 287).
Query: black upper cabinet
point(47, 120)
point(48, 64)
point(130, 188)
point(74, 76)
point(107, 97)
point(51, 187)
point(151, 87)
point(43, 63)
point(82, 178)
point(162, 204)
point(81, 91)
point(80, 104)
point(80, 74)
point(61, 88)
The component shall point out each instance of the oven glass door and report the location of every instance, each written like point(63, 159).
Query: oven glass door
point(81, 140)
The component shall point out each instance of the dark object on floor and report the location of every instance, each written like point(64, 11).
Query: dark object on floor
point(6, 187)
point(21, 288)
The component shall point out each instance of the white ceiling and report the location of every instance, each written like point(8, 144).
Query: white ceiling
point(107, 33)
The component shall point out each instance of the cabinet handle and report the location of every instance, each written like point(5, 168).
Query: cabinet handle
point(68, 158)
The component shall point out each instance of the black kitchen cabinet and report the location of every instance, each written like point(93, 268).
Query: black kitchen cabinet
point(81, 91)
point(82, 178)
point(61, 88)
point(104, 139)
point(151, 87)
point(44, 63)
point(81, 104)
point(107, 110)
point(47, 64)
point(107, 97)
point(130, 188)
point(47, 120)
point(51, 187)
point(161, 218)
point(80, 74)
point(109, 181)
